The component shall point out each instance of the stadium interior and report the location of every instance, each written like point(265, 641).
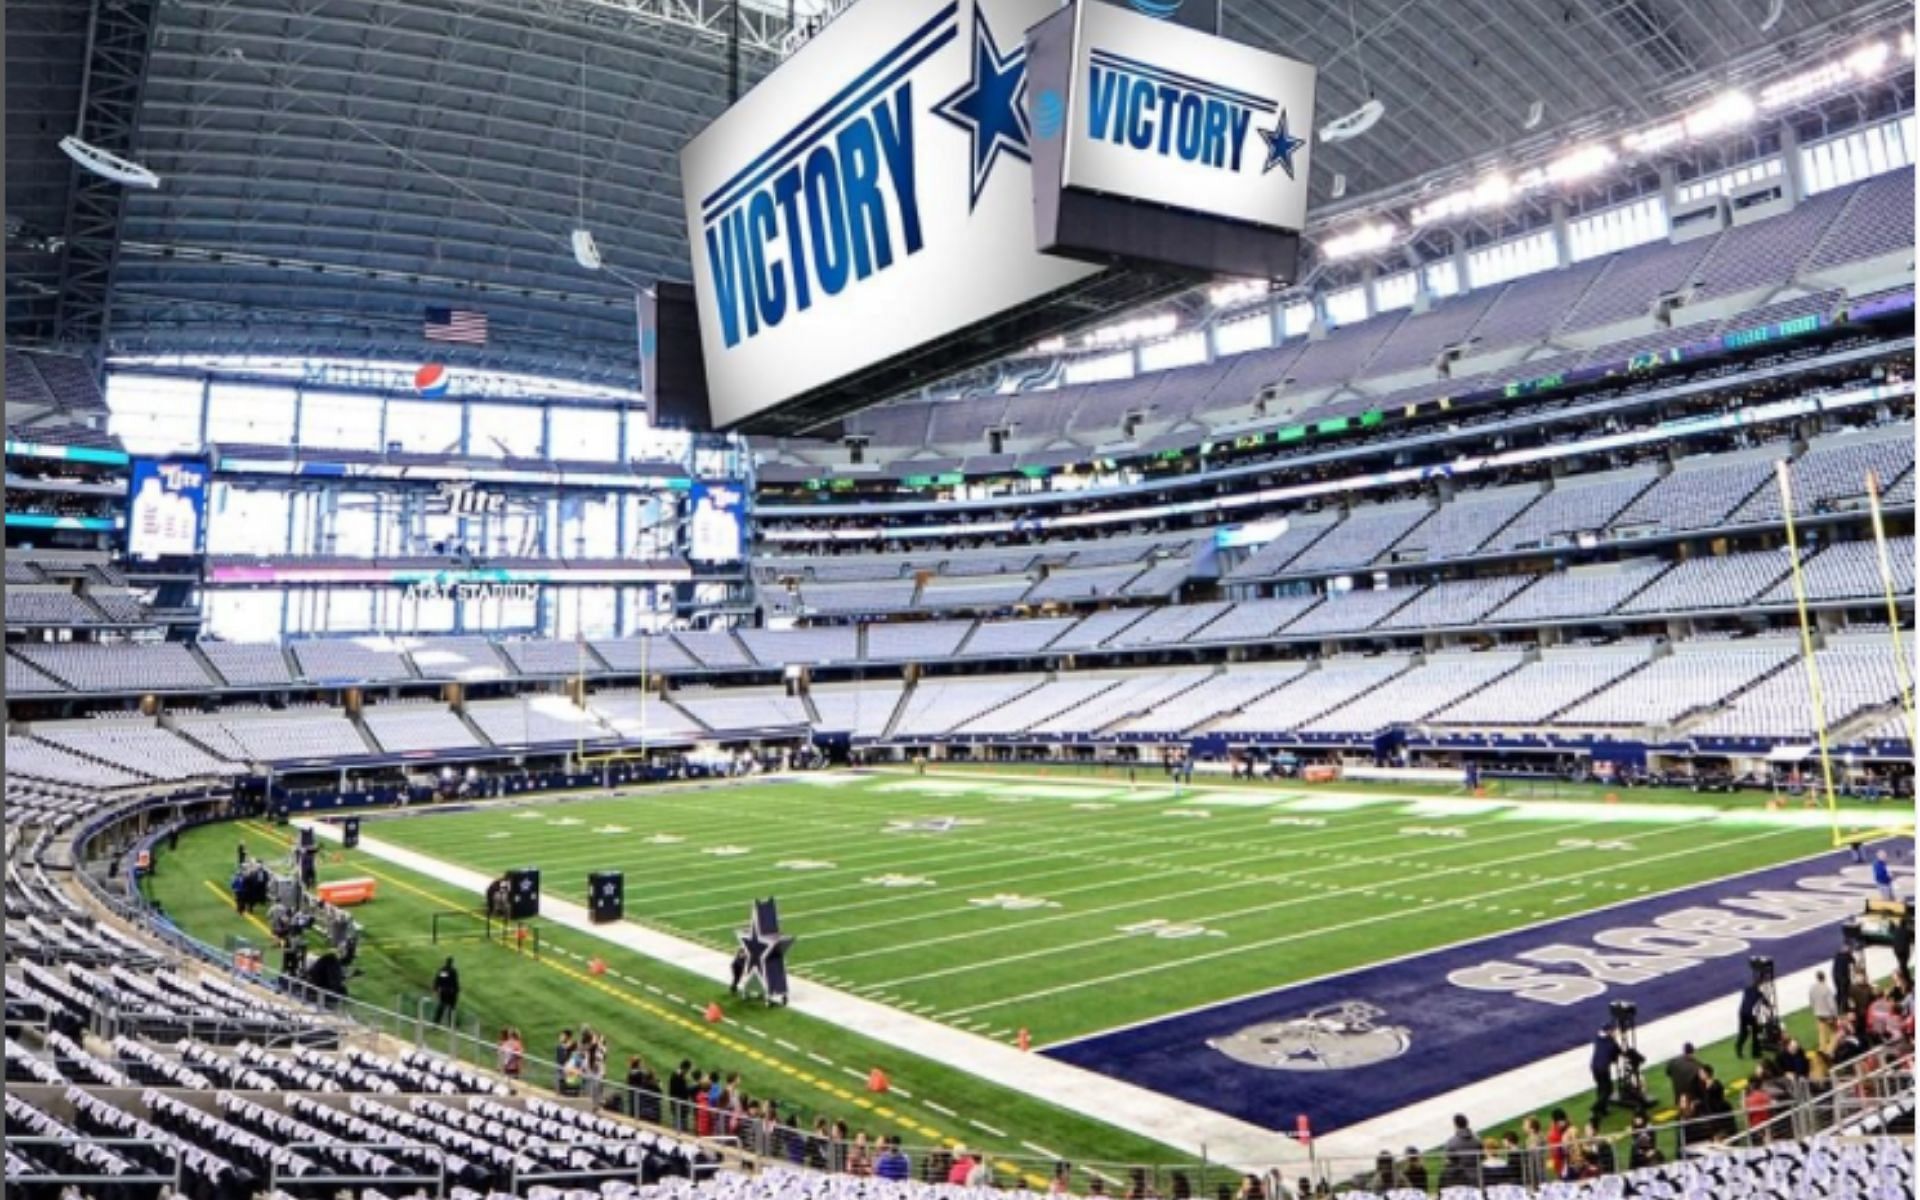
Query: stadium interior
point(1438, 724)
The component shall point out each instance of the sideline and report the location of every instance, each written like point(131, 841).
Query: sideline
point(1186, 1127)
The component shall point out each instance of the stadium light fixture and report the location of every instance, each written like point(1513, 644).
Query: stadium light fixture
point(1870, 59)
point(1906, 44)
point(1363, 239)
point(108, 165)
point(1729, 110)
point(1223, 295)
point(1126, 333)
point(1583, 163)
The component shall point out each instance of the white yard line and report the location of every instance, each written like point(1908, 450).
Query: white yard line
point(1024, 881)
point(1236, 914)
point(1362, 923)
point(1186, 1127)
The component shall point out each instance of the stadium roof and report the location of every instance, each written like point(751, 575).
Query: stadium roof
point(332, 168)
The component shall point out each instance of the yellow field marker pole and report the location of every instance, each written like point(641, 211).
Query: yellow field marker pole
point(1806, 648)
point(1901, 668)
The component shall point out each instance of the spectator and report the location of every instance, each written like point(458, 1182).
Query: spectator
point(703, 1094)
point(511, 1053)
point(962, 1167)
point(1459, 1167)
point(1683, 1074)
point(980, 1176)
point(1495, 1166)
point(1826, 1009)
point(679, 1091)
point(1598, 1150)
point(893, 1164)
point(1714, 1106)
point(1847, 1043)
point(1758, 1102)
point(1533, 1168)
point(1250, 1188)
point(1790, 1061)
point(859, 1157)
point(1414, 1168)
point(562, 1055)
point(1558, 1134)
point(643, 1091)
point(1644, 1150)
point(1386, 1174)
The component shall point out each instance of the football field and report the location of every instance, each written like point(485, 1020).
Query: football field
point(1067, 907)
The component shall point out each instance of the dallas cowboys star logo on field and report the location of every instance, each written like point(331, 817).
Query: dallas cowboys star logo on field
point(991, 106)
point(1280, 146)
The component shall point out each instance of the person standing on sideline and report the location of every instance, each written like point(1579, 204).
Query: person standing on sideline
point(1883, 875)
point(1826, 1009)
point(446, 988)
point(1749, 1024)
point(1606, 1052)
point(738, 971)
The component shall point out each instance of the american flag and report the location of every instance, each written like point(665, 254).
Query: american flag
point(462, 325)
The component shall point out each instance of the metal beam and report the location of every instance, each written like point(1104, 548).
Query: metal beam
point(119, 44)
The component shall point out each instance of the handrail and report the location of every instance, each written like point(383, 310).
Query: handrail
point(350, 1016)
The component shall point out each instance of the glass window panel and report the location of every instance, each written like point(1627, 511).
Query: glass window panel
point(244, 413)
point(1182, 351)
point(503, 431)
point(585, 435)
point(1248, 333)
point(243, 616)
point(247, 521)
point(154, 414)
point(1347, 306)
point(423, 426)
point(340, 420)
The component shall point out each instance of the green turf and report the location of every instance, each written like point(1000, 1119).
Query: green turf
point(1067, 908)
point(1287, 882)
point(647, 1009)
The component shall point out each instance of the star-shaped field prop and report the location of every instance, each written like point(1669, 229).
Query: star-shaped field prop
point(1281, 146)
point(766, 950)
point(991, 106)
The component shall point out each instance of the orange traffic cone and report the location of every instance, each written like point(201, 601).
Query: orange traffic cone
point(714, 1015)
point(1026, 1040)
point(597, 967)
point(877, 1081)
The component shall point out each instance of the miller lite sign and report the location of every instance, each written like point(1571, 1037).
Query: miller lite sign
point(463, 499)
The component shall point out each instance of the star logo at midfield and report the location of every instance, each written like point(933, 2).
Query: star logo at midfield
point(1280, 146)
point(991, 106)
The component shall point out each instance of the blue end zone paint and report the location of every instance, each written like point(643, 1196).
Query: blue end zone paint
point(1455, 1035)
